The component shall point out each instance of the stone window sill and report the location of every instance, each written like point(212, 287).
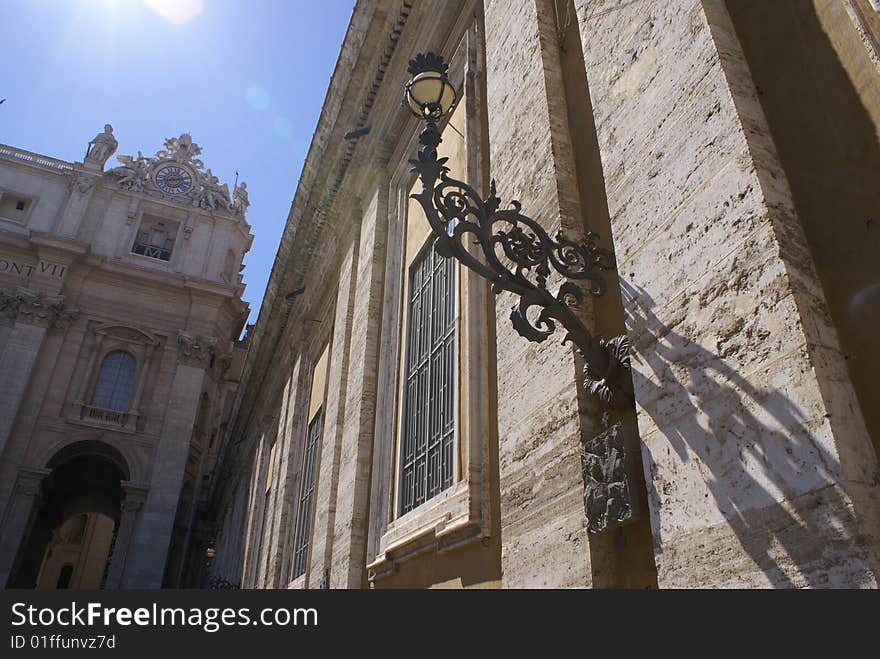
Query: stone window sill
point(444, 522)
point(299, 583)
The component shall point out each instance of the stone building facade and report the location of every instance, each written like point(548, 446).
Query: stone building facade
point(392, 428)
point(120, 307)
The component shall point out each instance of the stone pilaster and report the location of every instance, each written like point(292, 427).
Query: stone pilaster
point(15, 521)
point(34, 313)
point(327, 481)
point(81, 189)
point(130, 508)
point(154, 528)
point(541, 484)
point(347, 569)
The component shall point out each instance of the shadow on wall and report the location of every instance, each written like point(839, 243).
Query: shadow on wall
point(820, 92)
point(754, 449)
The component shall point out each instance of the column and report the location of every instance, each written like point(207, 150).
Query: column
point(35, 312)
point(145, 566)
point(133, 500)
point(27, 493)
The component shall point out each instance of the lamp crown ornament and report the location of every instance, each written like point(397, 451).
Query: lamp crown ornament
point(427, 62)
point(517, 253)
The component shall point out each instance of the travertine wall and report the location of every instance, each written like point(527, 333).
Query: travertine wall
point(755, 452)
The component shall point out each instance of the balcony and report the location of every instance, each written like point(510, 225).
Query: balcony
point(122, 419)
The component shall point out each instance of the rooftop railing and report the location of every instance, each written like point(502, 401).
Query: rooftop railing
point(12, 153)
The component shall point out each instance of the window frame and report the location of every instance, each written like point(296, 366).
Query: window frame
point(311, 450)
point(152, 222)
point(462, 513)
point(131, 381)
point(30, 201)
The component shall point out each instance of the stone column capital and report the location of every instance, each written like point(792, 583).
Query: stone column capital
point(8, 306)
point(81, 182)
point(134, 496)
point(195, 350)
point(65, 318)
point(34, 307)
point(29, 481)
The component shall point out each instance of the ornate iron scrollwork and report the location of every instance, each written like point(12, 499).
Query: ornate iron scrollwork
point(459, 216)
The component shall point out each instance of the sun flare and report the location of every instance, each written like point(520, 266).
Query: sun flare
point(176, 11)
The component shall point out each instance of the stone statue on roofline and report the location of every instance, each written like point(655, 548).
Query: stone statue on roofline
point(240, 201)
point(213, 196)
point(101, 147)
point(133, 173)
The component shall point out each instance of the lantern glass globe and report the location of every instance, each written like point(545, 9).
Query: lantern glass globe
point(430, 95)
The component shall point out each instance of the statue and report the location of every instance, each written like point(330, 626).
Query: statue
point(213, 196)
point(182, 149)
point(133, 174)
point(240, 200)
point(101, 147)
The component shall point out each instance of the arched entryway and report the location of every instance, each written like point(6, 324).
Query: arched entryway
point(73, 526)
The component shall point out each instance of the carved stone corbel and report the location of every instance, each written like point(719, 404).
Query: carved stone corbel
point(222, 364)
point(195, 350)
point(81, 183)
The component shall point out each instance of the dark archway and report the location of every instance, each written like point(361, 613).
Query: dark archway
point(75, 521)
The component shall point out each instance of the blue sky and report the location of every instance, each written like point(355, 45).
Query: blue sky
point(245, 78)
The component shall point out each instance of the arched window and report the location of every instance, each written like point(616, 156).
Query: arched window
point(114, 382)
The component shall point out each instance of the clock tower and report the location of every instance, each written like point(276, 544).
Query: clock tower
point(120, 313)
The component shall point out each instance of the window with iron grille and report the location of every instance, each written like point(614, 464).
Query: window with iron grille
point(428, 426)
point(155, 240)
point(115, 378)
point(302, 536)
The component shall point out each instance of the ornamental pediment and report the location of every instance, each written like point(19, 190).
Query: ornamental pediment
point(175, 173)
point(127, 333)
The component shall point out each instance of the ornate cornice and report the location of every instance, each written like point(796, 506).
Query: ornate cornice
point(195, 350)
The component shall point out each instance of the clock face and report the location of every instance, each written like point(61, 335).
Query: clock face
point(173, 180)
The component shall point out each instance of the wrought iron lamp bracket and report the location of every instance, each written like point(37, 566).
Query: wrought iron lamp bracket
point(459, 218)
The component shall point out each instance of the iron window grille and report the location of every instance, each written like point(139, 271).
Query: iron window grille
point(115, 379)
point(429, 397)
point(302, 536)
point(154, 242)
